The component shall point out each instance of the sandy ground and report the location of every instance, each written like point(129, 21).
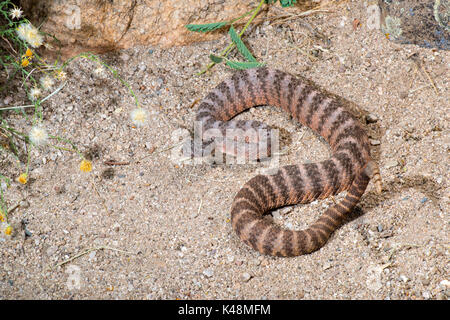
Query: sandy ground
point(165, 228)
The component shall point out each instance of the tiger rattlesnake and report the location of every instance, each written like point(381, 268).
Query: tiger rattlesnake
point(350, 168)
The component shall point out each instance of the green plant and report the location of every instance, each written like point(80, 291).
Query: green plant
point(236, 39)
point(24, 68)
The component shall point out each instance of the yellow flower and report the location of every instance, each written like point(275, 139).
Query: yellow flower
point(29, 53)
point(86, 165)
point(8, 230)
point(25, 62)
point(23, 178)
point(2, 218)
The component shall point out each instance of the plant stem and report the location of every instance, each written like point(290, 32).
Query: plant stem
point(231, 46)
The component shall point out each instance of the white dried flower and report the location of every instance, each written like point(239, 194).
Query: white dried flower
point(38, 135)
point(27, 32)
point(15, 13)
point(35, 93)
point(99, 72)
point(47, 82)
point(139, 116)
point(60, 75)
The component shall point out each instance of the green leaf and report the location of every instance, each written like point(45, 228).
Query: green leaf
point(215, 59)
point(287, 3)
point(205, 27)
point(240, 45)
point(284, 3)
point(243, 65)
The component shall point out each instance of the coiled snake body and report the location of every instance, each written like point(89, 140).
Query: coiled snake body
point(350, 167)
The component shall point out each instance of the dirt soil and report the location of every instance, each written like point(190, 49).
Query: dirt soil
point(155, 229)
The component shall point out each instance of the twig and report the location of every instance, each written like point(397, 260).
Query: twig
point(32, 105)
point(116, 163)
point(420, 88)
point(415, 58)
point(200, 206)
point(14, 207)
point(90, 250)
point(159, 151)
point(6, 40)
point(98, 194)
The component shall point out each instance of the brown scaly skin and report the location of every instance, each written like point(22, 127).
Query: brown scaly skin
point(350, 167)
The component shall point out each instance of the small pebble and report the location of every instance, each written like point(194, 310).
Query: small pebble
point(208, 273)
point(425, 281)
point(7, 100)
point(423, 200)
point(371, 118)
point(444, 284)
point(51, 250)
point(24, 204)
point(245, 277)
point(380, 228)
point(264, 262)
point(375, 142)
point(276, 214)
point(386, 234)
point(391, 163)
point(286, 210)
point(326, 265)
point(403, 95)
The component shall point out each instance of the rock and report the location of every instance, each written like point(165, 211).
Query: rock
point(373, 281)
point(371, 118)
point(286, 210)
point(208, 273)
point(391, 163)
point(420, 22)
point(24, 204)
point(102, 26)
point(52, 250)
point(375, 142)
point(245, 277)
point(444, 284)
point(425, 281)
point(327, 265)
